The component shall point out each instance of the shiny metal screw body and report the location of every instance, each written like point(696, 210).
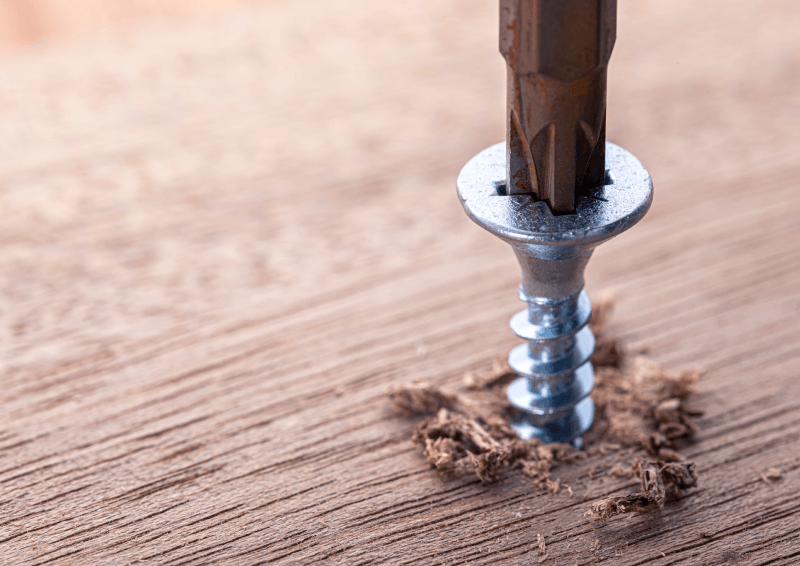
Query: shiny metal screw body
point(557, 376)
point(553, 250)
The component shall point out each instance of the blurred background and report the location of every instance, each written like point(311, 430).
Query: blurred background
point(26, 22)
point(162, 162)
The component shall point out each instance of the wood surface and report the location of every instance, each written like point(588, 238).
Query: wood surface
point(224, 237)
point(27, 22)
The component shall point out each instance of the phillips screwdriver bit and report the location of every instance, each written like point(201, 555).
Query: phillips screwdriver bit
point(557, 54)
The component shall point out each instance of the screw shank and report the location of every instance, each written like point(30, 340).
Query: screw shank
point(552, 272)
point(557, 54)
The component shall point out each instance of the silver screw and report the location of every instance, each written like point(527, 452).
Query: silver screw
point(552, 393)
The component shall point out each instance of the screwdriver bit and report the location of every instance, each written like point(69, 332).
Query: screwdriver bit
point(557, 54)
point(555, 190)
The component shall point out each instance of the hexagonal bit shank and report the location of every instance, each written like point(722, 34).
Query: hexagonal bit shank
point(557, 54)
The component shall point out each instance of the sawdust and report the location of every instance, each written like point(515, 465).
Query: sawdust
point(419, 398)
point(772, 474)
point(637, 405)
point(540, 542)
point(660, 482)
point(480, 441)
point(621, 471)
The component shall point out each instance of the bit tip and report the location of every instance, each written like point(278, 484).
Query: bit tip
point(557, 54)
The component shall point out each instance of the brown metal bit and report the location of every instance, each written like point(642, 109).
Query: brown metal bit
point(557, 54)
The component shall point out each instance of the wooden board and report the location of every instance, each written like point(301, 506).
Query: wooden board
point(224, 239)
point(28, 22)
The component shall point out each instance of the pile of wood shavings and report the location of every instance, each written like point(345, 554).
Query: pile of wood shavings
point(470, 434)
point(636, 404)
point(660, 481)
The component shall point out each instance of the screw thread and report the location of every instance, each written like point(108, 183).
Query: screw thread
point(552, 393)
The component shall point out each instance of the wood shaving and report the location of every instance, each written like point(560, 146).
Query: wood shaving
point(636, 405)
point(770, 475)
point(553, 486)
point(608, 352)
point(669, 455)
point(640, 405)
point(660, 481)
point(621, 471)
point(485, 445)
point(419, 398)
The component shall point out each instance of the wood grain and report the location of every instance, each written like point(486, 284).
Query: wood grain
point(224, 239)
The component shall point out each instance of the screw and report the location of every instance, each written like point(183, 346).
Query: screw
point(552, 394)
